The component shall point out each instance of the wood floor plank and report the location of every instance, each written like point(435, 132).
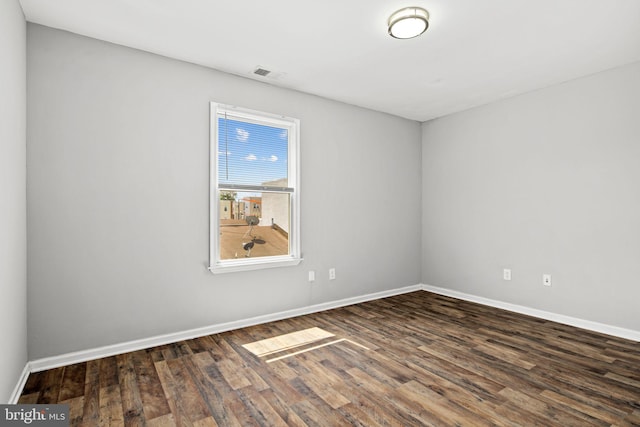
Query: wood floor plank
point(130, 393)
point(186, 390)
point(51, 383)
point(409, 360)
point(172, 394)
point(590, 412)
point(483, 387)
point(481, 405)
point(35, 383)
point(633, 383)
point(309, 414)
point(502, 352)
point(250, 365)
point(261, 411)
point(213, 388)
point(386, 392)
point(154, 404)
point(537, 404)
point(230, 364)
point(163, 421)
point(444, 403)
point(631, 420)
point(29, 398)
point(108, 372)
point(91, 410)
point(322, 388)
point(76, 409)
point(111, 413)
point(283, 408)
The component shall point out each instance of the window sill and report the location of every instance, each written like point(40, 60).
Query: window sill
point(232, 266)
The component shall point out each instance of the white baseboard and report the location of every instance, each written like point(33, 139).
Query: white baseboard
point(17, 391)
point(559, 318)
point(111, 350)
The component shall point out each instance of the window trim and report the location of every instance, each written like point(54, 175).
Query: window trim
point(293, 163)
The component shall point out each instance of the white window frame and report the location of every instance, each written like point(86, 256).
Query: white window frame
point(216, 265)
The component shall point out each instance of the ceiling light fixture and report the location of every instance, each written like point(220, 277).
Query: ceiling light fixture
point(408, 23)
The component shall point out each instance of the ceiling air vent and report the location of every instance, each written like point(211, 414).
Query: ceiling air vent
point(261, 72)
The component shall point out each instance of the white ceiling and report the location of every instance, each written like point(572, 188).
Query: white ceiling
point(474, 52)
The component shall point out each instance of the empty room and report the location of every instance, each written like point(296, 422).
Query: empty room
point(374, 213)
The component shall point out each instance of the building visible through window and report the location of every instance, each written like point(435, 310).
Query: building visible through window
point(254, 190)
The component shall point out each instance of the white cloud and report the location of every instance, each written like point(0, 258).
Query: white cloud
point(223, 153)
point(242, 135)
point(251, 157)
point(283, 134)
point(273, 158)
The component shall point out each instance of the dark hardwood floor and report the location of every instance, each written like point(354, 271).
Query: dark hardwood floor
point(409, 360)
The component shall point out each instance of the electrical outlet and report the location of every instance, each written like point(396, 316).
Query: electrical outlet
point(546, 279)
point(312, 276)
point(332, 274)
point(506, 274)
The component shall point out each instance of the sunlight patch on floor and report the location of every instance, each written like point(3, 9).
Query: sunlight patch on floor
point(287, 341)
point(315, 348)
point(291, 341)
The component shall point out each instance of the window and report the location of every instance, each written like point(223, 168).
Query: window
point(255, 200)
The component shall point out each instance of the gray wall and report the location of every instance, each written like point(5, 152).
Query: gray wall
point(13, 237)
point(546, 182)
point(118, 197)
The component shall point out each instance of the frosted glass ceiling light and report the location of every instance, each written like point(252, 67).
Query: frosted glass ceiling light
point(408, 23)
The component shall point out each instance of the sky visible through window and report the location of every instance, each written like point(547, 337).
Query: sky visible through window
point(249, 153)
